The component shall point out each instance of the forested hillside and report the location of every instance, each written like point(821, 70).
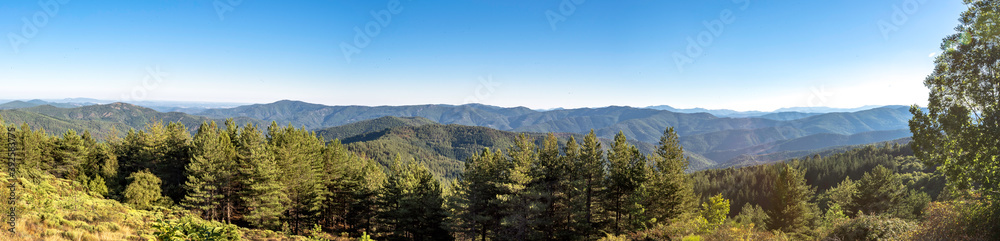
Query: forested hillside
point(444, 148)
point(701, 133)
point(531, 187)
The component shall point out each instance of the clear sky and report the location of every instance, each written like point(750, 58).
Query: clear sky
point(756, 55)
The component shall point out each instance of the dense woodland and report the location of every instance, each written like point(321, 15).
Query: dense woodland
point(290, 180)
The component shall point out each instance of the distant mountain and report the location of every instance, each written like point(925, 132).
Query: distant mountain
point(820, 109)
point(17, 104)
point(780, 114)
point(314, 116)
point(701, 133)
point(103, 118)
point(715, 112)
point(785, 116)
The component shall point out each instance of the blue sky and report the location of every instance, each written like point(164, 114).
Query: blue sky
point(766, 55)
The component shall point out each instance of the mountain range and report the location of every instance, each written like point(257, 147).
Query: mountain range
point(708, 139)
point(787, 113)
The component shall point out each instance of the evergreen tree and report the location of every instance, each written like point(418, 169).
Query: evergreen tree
point(879, 191)
point(363, 208)
point(298, 152)
point(792, 211)
point(671, 190)
point(259, 172)
point(589, 182)
point(70, 155)
point(412, 205)
point(843, 195)
point(550, 186)
point(625, 194)
point(514, 198)
point(210, 173)
point(571, 160)
point(475, 202)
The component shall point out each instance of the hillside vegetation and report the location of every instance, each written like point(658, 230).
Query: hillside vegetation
point(716, 140)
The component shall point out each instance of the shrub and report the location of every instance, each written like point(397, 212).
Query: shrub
point(954, 220)
point(866, 227)
point(692, 238)
point(188, 228)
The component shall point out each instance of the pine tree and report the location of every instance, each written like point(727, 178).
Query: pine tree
point(514, 198)
point(551, 182)
point(363, 208)
point(624, 184)
point(843, 195)
point(340, 177)
point(411, 203)
point(572, 162)
point(879, 191)
point(589, 182)
point(671, 190)
point(210, 173)
point(298, 152)
point(476, 205)
point(70, 155)
point(261, 193)
point(792, 211)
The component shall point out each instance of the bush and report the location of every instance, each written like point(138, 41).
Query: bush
point(188, 228)
point(866, 227)
point(955, 220)
point(692, 238)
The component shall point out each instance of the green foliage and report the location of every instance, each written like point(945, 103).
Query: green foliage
point(753, 214)
point(866, 227)
point(187, 228)
point(210, 174)
point(959, 128)
point(258, 175)
point(843, 195)
point(692, 238)
point(960, 219)
point(714, 212)
point(668, 181)
point(365, 237)
point(143, 191)
point(833, 217)
point(879, 191)
point(792, 212)
point(626, 186)
point(411, 204)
